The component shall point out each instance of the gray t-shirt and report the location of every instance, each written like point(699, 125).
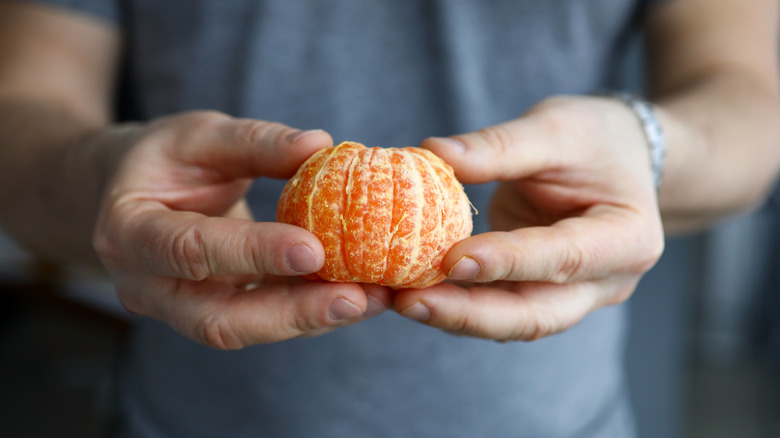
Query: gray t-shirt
point(381, 72)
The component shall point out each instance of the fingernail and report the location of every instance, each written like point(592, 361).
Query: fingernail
point(297, 134)
point(466, 269)
point(454, 144)
point(418, 312)
point(343, 309)
point(300, 258)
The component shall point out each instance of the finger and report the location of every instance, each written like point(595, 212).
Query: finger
point(245, 148)
point(240, 210)
point(530, 311)
point(606, 241)
point(378, 299)
point(212, 313)
point(509, 150)
point(149, 237)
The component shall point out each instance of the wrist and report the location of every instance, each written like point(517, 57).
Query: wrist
point(54, 169)
point(652, 129)
point(104, 149)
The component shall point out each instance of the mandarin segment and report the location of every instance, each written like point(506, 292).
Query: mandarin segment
point(408, 199)
point(325, 211)
point(435, 204)
point(385, 216)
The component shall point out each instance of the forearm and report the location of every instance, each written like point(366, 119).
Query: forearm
point(57, 74)
point(723, 136)
point(713, 71)
point(53, 167)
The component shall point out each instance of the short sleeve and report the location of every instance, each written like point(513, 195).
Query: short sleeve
point(108, 10)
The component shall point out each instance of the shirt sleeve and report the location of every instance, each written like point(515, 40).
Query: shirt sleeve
point(107, 10)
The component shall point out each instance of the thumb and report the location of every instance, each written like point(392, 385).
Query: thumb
point(153, 239)
point(558, 133)
point(510, 150)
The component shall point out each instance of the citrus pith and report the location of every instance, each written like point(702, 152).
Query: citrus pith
point(384, 215)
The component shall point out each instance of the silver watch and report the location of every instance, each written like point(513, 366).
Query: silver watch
point(656, 140)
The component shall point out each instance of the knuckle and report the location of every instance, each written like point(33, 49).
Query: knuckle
point(571, 265)
point(647, 262)
point(304, 322)
point(204, 119)
point(548, 109)
point(652, 245)
point(252, 247)
point(108, 236)
point(542, 329)
point(130, 301)
point(189, 256)
point(498, 137)
point(106, 247)
point(259, 132)
point(656, 250)
point(252, 132)
point(179, 131)
point(553, 102)
point(554, 122)
point(543, 325)
point(258, 253)
point(217, 332)
point(462, 324)
point(622, 294)
point(516, 269)
point(191, 121)
point(466, 324)
point(200, 124)
point(560, 116)
point(555, 105)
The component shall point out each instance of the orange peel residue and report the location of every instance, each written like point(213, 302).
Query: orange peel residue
point(384, 215)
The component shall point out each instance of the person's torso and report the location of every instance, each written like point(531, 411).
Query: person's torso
point(386, 73)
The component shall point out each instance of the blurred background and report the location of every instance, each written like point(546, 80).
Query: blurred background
point(704, 353)
point(704, 356)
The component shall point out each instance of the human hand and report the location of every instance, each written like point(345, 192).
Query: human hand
point(180, 244)
point(575, 217)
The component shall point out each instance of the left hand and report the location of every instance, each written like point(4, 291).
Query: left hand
point(576, 222)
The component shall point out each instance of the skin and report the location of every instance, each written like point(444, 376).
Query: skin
point(161, 205)
point(576, 231)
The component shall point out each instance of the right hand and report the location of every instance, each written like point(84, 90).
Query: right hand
point(177, 237)
point(575, 222)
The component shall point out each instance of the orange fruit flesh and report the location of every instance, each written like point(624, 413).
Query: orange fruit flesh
point(384, 215)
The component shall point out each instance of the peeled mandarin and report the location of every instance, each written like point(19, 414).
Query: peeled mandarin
point(384, 215)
